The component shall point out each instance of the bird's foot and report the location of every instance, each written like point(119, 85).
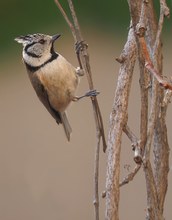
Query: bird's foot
point(91, 93)
point(80, 46)
point(79, 71)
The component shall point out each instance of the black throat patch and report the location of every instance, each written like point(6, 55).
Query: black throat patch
point(35, 68)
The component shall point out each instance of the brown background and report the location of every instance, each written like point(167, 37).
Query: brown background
point(41, 175)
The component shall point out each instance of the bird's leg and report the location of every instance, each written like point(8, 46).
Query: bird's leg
point(79, 47)
point(90, 93)
point(79, 71)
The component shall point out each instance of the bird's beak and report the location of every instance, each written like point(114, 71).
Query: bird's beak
point(55, 37)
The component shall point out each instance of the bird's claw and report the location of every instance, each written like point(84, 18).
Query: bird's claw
point(80, 46)
point(79, 71)
point(92, 93)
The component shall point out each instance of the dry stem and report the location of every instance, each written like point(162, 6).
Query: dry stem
point(118, 119)
point(148, 38)
point(83, 59)
point(130, 176)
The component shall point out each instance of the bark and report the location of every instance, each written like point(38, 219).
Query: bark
point(118, 120)
point(144, 38)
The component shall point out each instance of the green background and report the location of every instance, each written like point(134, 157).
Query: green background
point(42, 176)
point(23, 17)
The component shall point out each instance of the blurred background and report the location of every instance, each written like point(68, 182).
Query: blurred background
point(41, 175)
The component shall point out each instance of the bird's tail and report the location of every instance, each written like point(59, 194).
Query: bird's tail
point(66, 125)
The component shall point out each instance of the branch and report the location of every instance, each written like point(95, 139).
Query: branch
point(152, 202)
point(118, 120)
point(96, 181)
point(141, 28)
point(139, 18)
point(167, 99)
point(152, 196)
point(132, 137)
point(161, 147)
point(66, 17)
point(83, 60)
point(127, 179)
point(164, 8)
point(156, 187)
point(130, 176)
point(87, 69)
point(144, 18)
point(154, 72)
point(135, 143)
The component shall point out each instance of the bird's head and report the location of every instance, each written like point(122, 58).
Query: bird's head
point(37, 46)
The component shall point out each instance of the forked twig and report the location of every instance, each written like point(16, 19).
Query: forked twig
point(150, 67)
point(152, 60)
point(126, 179)
point(65, 16)
point(130, 176)
point(135, 143)
point(83, 59)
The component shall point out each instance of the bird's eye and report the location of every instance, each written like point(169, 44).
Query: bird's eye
point(42, 41)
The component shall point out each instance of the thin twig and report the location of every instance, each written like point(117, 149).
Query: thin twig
point(154, 66)
point(150, 67)
point(130, 176)
point(165, 8)
point(83, 59)
point(152, 197)
point(140, 30)
point(75, 21)
point(96, 181)
point(127, 179)
point(65, 16)
point(134, 140)
point(87, 69)
point(144, 81)
point(137, 13)
point(162, 82)
point(167, 99)
point(135, 143)
point(148, 63)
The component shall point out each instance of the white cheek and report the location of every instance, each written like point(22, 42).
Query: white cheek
point(34, 61)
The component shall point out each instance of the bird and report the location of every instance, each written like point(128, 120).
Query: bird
point(53, 78)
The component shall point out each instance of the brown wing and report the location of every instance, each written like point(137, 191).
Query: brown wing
point(43, 96)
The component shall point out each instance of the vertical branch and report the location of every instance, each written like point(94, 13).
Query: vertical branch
point(66, 18)
point(139, 19)
point(83, 59)
point(144, 80)
point(96, 181)
point(144, 41)
point(118, 119)
point(78, 36)
point(148, 42)
point(138, 11)
point(161, 147)
point(152, 199)
point(87, 69)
